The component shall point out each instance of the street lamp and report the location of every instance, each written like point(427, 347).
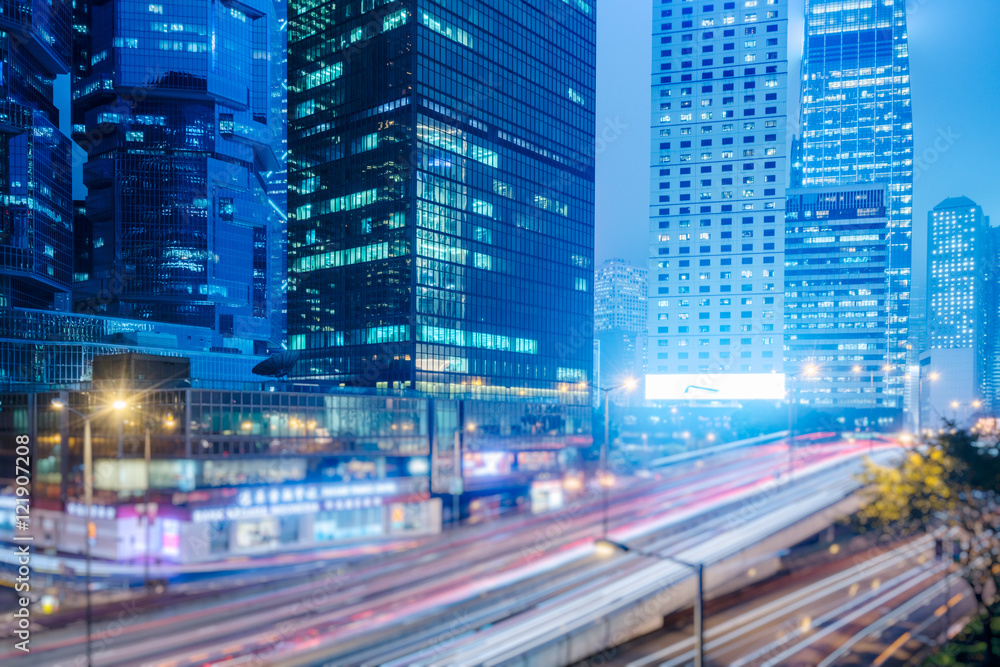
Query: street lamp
point(606, 547)
point(169, 422)
point(88, 493)
point(605, 480)
point(809, 371)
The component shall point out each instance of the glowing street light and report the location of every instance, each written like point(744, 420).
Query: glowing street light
point(88, 493)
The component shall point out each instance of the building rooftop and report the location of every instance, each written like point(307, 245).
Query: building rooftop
point(955, 202)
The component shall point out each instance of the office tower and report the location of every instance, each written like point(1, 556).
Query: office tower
point(717, 186)
point(960, 329)
point(620, 305)
point(36, 225)
point(835, 295)
point(172, 103)
point(991, 318)
point(856, 128)
point(620, 296)
point(956, 261)
point(441, 202)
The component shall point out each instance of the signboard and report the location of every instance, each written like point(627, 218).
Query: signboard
point(716, 387)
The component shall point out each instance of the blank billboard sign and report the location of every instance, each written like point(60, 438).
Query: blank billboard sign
point(716, 387)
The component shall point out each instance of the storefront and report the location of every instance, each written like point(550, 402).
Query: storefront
point(227, 522)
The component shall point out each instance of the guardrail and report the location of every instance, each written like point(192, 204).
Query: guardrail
point(716, 449)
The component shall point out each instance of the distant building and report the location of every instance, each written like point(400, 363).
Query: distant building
point(620, 307)
point(836, 294)
point(959, 267)
point(620, 296)
point(991, 341)
point(857, 128)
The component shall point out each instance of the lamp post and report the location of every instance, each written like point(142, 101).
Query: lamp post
point(88, 495)
point(808, 371)
point(608, 547)
point(628, 385)
point(148, 512)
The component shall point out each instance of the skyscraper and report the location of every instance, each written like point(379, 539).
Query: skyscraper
point(959, 323)
point(856, 128)
point(36, 225)
point(717, 186)
point(835, 295)
point(956, 270)
point(620, 304)
point(441, 195)
point(172, 101)
point(620, 296)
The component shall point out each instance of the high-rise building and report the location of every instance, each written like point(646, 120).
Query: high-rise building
point(441, 198)
point(957, 238)
point(835, 295)
point(856, 128)
point(36, 225)
point(620, 296)
point(717, 186)
point(620, 307)
point(173, 104)
point(991, 341)
point(959, 323)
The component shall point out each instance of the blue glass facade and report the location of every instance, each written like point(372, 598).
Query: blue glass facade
point(717, 179)
point(856, 126)
point(961, 279)
point(836, 295)
point(36, 223)
point(441, 195)
point(173, 103)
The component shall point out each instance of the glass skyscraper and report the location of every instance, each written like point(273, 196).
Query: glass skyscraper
point(856, 128)
point(441, 198)
point(960, 268)
point(36, 224)
point(835, 295)
point(717, 186)
point(172, 101)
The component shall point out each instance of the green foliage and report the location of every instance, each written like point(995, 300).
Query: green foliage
point(906, 499)
point(953, 480)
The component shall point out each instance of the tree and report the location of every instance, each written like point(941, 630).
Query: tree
point(951, 480)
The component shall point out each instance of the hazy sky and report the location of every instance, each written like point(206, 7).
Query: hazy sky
point(954, 65)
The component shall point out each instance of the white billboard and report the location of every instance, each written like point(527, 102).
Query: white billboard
point(716, 387)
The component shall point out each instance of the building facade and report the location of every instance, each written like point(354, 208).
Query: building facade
point(717, 187)
point(856, 128)
point(836, 295)
point(960, 276)
point(269, 468)
point(620, 296)
point(173, 104)
point(36, 224)
point(442, 207)
point(620, 305)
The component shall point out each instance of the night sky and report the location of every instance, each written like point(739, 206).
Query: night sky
point(954, 65)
